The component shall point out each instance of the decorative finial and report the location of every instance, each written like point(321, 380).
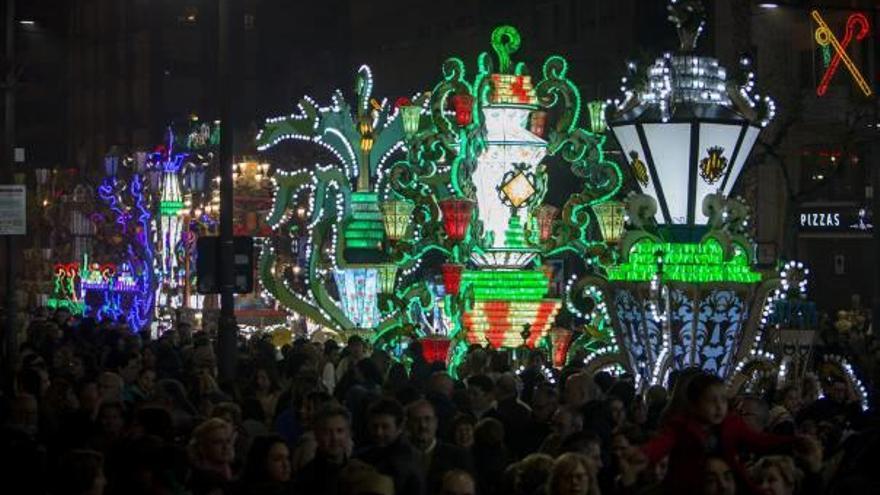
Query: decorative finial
point(505, 42)
point(689, 17)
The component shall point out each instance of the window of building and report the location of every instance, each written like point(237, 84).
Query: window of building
point(249, 22)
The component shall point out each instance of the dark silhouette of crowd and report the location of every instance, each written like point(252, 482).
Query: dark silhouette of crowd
point(94, 409)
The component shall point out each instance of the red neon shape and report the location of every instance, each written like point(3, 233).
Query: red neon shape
point(855, 21)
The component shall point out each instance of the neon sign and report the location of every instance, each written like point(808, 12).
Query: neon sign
point(856, 25)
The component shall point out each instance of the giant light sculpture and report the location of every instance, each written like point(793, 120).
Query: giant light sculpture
point(155, 201)
point(457, 175)
point(682, 290)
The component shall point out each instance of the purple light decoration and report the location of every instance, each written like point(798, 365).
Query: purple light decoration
point(107, 193)
point(142, 308)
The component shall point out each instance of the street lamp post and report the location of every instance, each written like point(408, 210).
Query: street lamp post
point(227, 335)
point(8, 154)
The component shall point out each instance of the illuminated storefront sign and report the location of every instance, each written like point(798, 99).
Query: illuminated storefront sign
point(835, 219)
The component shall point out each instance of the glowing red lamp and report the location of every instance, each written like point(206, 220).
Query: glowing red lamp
point(452, 277)
point(560, 340)
point(463, 106)
point(456, 217)
point(435, 348)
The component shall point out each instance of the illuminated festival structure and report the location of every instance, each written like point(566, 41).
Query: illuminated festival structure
point(681, 287)
point(444, 186)
point(159, 203)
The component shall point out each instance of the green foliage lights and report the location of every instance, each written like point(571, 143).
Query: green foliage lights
point(692, 263)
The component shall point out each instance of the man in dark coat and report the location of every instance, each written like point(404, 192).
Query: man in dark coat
point(391, 454)
point(333, 436)
point(435, 457)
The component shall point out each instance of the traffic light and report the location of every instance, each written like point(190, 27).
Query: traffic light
point(208, 265)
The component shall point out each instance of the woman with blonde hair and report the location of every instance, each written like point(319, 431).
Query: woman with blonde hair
point(777, 475)
point(211, 451)
point(571, 475)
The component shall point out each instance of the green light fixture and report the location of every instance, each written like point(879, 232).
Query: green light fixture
point(396, 217)
point(411, 115)
point(612, 220)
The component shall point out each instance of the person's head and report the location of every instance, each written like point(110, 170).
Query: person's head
point(385, 422)
point(544, 402)
point(147, 381)
point(458, 482)
point(566, 421)
point(637, 412)
point(489, 434)
point(481, 391)
point(462, 430)
point(754, 412)
point(576, 391)
point(81, 472)
point(421, 420)
point(307, 406)
point(718, 477)
point(620, 444)
point(229, 412)
point(333, 432)
point(110, 385)
point(356, 348)
point(777, 475)
point(506, 387)
point(111, 418)
point(130, 367)
point(707, 398)
point(263, 381)
point(34, 381)
point(360, 478)
point(790, 398)
point(532, 473)
point(587, 444)
point(618, 411)
point(441, 383)
point(268, 461)
point(213, 443)
point(571, 476)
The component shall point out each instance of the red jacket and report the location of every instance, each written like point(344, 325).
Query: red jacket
point(684, 440)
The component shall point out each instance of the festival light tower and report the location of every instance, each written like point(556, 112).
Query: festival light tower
point(683, 290)
point(458, 173)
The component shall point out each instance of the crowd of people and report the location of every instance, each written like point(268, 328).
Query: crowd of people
point(95, 409)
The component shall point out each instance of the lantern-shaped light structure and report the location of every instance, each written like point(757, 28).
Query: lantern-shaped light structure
point(611, 216)
point(387, 277)
point(435, 348)
point(687, 135)
point(411, 115)
point(396, 217)
point(358, 289)
point(452, 277)
point(456, 217)
point(463, 105)
point(597, 116)
point(560, 341)
point(690, 297)
point(545, 217)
